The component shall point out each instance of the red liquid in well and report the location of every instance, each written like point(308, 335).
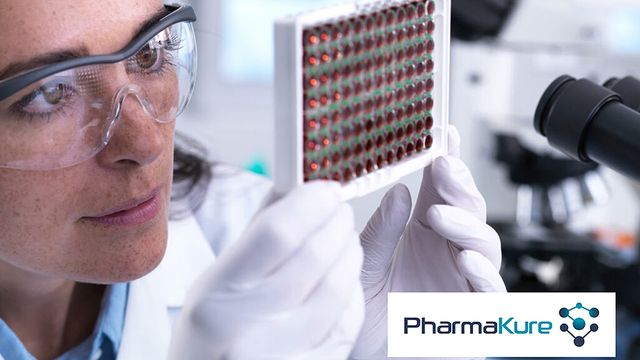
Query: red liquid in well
point(368, 83)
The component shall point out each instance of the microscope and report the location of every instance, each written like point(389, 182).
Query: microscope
point(500, 68)
point(597, 124)
point(592, 123)
point(502, 62)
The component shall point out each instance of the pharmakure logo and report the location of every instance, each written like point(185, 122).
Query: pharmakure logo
point(578, 323)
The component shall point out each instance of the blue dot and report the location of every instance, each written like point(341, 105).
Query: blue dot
point(564, 312)
point(579, 306)
point(594, 327)
point(578, 341)
point(564, 327)
point(594, 312)
point(579, 323)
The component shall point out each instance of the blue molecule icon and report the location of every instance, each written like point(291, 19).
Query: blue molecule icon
point(579, 323)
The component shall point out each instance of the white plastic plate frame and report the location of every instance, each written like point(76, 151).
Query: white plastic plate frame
point(289, 106)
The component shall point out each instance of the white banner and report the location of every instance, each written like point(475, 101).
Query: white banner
point(502, 325)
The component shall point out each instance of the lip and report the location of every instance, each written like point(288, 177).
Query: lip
point(134, 212)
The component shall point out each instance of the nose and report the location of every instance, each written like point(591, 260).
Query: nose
point(133, 137)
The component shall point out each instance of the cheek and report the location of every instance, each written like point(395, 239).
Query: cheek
point(40, 231)
point(108, 255)
point(34, 210)
point(128, 257)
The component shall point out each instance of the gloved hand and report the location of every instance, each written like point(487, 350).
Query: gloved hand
point(446, 246)
point(288, 289)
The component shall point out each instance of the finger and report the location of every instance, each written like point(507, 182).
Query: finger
point(454, 141)
point(466, 232)
point(309, 325)
point(382, 233)
point(296, 278)
point(454, 184)
point(271, 198)
point(480, 272)
point(433, 180)
point(344, 333)
point(279, 230)
point(448, 181)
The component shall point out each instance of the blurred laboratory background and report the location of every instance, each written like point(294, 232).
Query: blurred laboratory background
point(565, 226)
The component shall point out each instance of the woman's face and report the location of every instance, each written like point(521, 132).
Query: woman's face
point(52, 222)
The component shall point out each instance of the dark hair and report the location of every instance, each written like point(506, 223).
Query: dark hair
point(192, 173)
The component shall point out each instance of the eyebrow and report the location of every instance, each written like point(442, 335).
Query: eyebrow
point(68, 54)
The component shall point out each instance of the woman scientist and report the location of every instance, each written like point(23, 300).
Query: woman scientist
point(90, 266)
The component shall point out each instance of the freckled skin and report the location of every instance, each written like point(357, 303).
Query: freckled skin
point(52, 259)
point(41, 226)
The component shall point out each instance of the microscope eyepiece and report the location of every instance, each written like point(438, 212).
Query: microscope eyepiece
point(548, 99)
point(628, 88)
point(590, 122)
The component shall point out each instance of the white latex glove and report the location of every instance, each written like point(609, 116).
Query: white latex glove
point(446, 246)
point(288, 289)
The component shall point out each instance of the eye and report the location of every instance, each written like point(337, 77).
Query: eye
point(53, 94)
point(48, 99)
point(154, 58)
point(147, 58)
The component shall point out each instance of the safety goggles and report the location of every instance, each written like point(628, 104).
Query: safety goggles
point(62, 114)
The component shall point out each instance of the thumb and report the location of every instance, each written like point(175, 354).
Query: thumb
point(382, 233)
point(454, 142)
point(429, 194)
point(269, 199)
point(480, 272)
point(273, 196)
